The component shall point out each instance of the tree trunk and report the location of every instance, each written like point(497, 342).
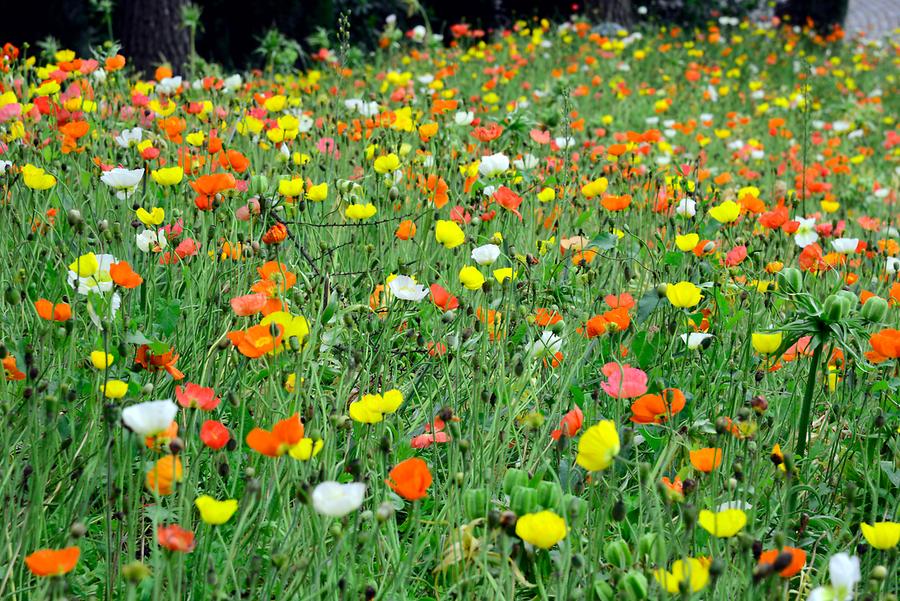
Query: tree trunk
point(151, 33)
point(613, 11)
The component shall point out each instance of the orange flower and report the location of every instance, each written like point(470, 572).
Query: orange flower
point(249, 304)
point(570, 424)
point(657, 408)
point(175, 538)
point(277, 234)
point(410, 479)
point(406, 230)
point(208, 187)
point(438, 189)
point(47, 310)
point(234, 160)
point(543, 317)
point(616, 203)
point(284, 435)
point(798, 560)
point(12, 370)
point(256, 341)
point(706, 460)
point(164, 473)
point(276, 279)
point(158, 362)
point(886, 343)
point(123, 275)
point(53, 562)
point(114, 63)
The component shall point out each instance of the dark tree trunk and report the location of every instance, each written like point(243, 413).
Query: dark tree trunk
point(614, 11)
point(151, 33)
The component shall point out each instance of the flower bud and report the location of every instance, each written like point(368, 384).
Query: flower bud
point(790, 279)
point(475, 502)
point(514, 477)
point(617, 553)
point(633, 586)
point(524, 500)
point(875, 310)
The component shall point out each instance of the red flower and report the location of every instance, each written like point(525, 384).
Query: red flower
point(509, 200)
point(200, 397)
point(47, 310)
point(443, 299)
point(570, 424)
point(214, 434)
point(175, 538)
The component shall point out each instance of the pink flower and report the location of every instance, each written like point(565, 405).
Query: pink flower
point(623, 381)
point(327, 146)
point(187, 248)
point(251, 209)
point(735, 256)
point(432, 435)
point(200, 397)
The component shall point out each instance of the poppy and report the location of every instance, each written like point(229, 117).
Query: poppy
point(886, 343)
point(406, 230)
point(256, 341)
point(509, 200)
point(122, 274)
point(275, 279)
point(443, 299)
point(276, 234)
point(163, 475)
point(657, 408)
point(623, 381)
point(214, 434)
point(569, 425)
point(175, 538)
point(194, 395)
point(798, 560)
point(249, 304)
point(53, 562)
point(47, 310)
point(410, 479)
point(706, 460)
point(208, 187)
point(286, 434)
point(158, 362)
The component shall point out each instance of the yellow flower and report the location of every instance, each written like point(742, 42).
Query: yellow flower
point(360, 211)
point(766, 344)
point(683, 294)
point(598, 446)
point(306, 449)
point(101, 360)
point(293, 326)
point(215, 512)
point(543, 529)
point(290, 187)
point(196, 138)
point(154, 217)
point(722, 524)
point(167, 176)
point(317, 193)
point(503, 274)
point(36, 178)
point(694, 572)
point(546, 195)
point(471, 278)
point(881, 535)
point(725, 212)
point(388, 402)
point(449, 233)
point(115, 389)
point(687, 242)
point(595, 188)
point(361, 412)
point(387, 163)
point(275, 103)
point(85, 265)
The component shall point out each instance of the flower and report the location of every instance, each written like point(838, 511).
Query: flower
point(844, 572)
point(570, 424)
point(214, 435)
point(493, 165)
point(845, 245)
point(683, 294)
point(196, 396)
point(53, 562)
point(167, 176)
point(805, 234)
point(215, 512)
point(656, 408)
point(707, 459)
point(149, 218)
point(443, 299)
point(722, 524)
point(149, 418)
point(687, 242)
point(410, 479)
point(881, 535)
point(695, 340)
point(693, 572)
point(114, 389)
point(360, 212)
point(290, 326)
point(595, 188)
point(50, 312)
point(886, 343)
point(448, 233)
point(546, 346)
point(798, 560)
point(406, 288)
point(175, 538)
point(283, 437)
point(387, 163)
point(725, 212)
point(101, 360)
point(256, 341)
point(486, 255)
point(123, 181)
point(151, 240)
point(317, 192)
point(598, 446)
point(543, 529)
point(164, 473)
point(471, 278)
point(370, 409)
point(623, 381)
point(337, 500)
point(766, 343)
point(36, 178)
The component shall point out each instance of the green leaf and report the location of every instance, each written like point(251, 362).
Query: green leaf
point(675, 259)
point(577, 395)
point(645, 348)
point(167, 317)
point(646, 306)
point(606, 241)
point(891, 472)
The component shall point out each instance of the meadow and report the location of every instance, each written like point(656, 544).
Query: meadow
point(560, 312)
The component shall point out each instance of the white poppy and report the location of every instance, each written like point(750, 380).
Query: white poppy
point(337, 500)
point(845, 245)
point(695, 340)
point(546, 346)
point(844, 572)
point(151, 240)
point(806, 232)
point(464, 117)
point(486, 255)
point(169, 85)
point(149, 418)
point(494, 164)
point(406, 288)
point(526, 163)
point(232, 83)
point(563, 142)
point(130, 137)
point(123, 181)
point(892, 265)
point(99, 282)
point(687, 207)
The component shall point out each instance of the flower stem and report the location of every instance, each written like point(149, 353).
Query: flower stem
point(807, 401)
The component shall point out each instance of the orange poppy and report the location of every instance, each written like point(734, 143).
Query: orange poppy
point(158, 362)
point(47, 310)
point(53, 562)
point(706, 460)
point(886, 343)
point(438, 189)
point(275, 279)
point(234, 160)
point(114, 63)
point(406, 230)
point(249, 304)
point(616, 203)
point(570, 424)
point(277, 234)
point(543, 317)
point(798, 560)
point(284, 435)
point(12, 370)
point(256, 341)
point(208, 187)
point(410, 479)
point(164, 473)
point(657, 408)
point(123, 275)
point(175, 538)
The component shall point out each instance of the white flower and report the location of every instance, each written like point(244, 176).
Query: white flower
point(366, 109)
point(129, 137)
point(152, 417)
point(488, 191)
point(844, 571)
point(840, 126)
point(98, 282)
point(486, 255)
point(845, 245)
point(742, 505)
point(564, 143)
point(892, 265)
point(169, 85)
point(99, 75)
point(464, 117)
point(806, 232)
point(546, 346)
point(406, 288)
point(123, 181)
point(687, 207)
point(694, 340)
point(494, 164)
point(232, 83)
point(527, 162)
point(418, 33)
point(151, 240)
point(306, 123)
point(337, 500)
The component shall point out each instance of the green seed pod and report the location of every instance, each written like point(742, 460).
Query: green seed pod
point(550, 494)
point(875, 309)
point(851, 298)
point(617, 554)
point(633, 586)
point(837, 308)
point(576, 507)
point(649, 545)
point(259, 185)
point(524, 500)
point(790, 279)
point(475, 503)
point(603, 591)
point(11, 297)
point(514, 477)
